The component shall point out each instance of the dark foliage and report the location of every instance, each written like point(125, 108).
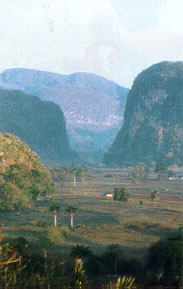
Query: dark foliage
point(165, 260)
point(25, 264)
point(121, 195)
point(40, 124)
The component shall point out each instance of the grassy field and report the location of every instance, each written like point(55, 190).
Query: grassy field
point(100, 221)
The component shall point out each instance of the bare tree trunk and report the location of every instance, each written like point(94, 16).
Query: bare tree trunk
point(55, 220)
point(72, 223)
point(74, 180)
point(46, 269)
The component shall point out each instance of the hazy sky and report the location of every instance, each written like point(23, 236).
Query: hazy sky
point(113, 38)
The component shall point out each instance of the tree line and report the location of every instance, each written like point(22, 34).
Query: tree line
point(24, 264)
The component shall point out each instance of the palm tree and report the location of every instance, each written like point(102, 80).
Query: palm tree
point(55, 208)
point(71, 210)
point(76, 171)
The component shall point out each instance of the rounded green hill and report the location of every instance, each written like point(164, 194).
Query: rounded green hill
point(22, 176)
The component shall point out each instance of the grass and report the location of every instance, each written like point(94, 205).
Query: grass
point(99, 221)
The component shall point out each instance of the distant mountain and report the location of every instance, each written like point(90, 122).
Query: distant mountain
point(153, 119)
point(39, 123)
point(91, 104)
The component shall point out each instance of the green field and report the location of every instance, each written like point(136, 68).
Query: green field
point(100, 221)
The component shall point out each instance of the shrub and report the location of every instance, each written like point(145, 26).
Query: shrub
point(161, 168)
point(57, 236)
point(154, 195)
point(108, 176)
point(13, 198)
point(81, 251)
point(40, 223)
point(139, 171)
point(165, 259)
point(121, 195)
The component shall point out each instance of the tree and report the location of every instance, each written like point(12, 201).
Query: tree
point(165, 259)
point(73, 169)
point(139, 171)
point(154, 195)
point(121, 195)
point(9, 259)
point(55, 208)
point(171, 173)
point(161, 168)
point(140, 202)
point(71, 210)
point(111, 257)
point(81, 251)
point(116, 196)
point(35, 191)
point(124, 195)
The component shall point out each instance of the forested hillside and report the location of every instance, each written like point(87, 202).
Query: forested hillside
point(22, 177)
point(40, 124)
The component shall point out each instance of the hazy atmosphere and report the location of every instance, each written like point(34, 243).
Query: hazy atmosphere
point(113, 38)
point(91, 144)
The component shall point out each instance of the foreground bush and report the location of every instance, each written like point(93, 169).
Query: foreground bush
point(165, 260)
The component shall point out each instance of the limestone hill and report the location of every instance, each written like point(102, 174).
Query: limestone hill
point(40, 124)
point(153, 119)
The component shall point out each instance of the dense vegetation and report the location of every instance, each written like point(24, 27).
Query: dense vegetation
point(39, 123)
point(23, 264)
point(22, 177)
point(153, 118)
point(121, 195)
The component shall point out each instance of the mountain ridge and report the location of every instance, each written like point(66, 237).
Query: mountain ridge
point(39, 83)
point(153, 119)
point(89, 102)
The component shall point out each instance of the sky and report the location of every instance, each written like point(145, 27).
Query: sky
point(116, 39)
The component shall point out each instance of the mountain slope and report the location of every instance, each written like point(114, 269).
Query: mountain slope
point(90, 103)
point(22, 177)
point(153, 119)
point(39, 123)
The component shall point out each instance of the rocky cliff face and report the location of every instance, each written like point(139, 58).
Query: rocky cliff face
point(153, 119)
point(87, 100)
point(91, 104)
point(39, 123)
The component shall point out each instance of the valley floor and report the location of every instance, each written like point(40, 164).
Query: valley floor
point(100, 221)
